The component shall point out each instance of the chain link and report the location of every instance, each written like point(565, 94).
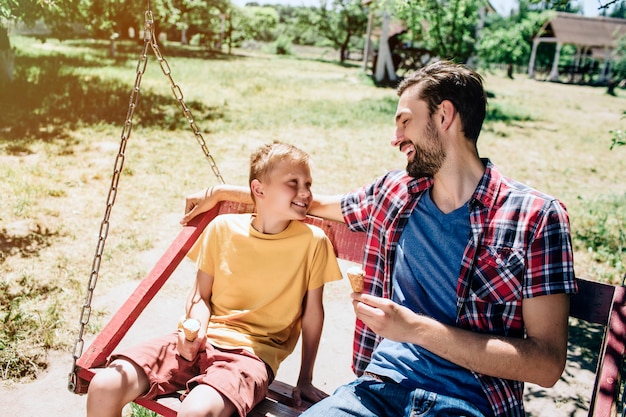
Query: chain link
point(150, 41)
point(178, 95)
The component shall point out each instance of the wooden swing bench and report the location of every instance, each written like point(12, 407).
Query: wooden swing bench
point(596, 303)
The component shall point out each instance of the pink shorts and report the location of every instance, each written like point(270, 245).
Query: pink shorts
point(237, 374)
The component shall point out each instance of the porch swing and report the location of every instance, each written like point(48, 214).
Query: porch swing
point(348, 246)
point(596, 303)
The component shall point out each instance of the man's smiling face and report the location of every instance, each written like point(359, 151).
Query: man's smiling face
point(417, 136)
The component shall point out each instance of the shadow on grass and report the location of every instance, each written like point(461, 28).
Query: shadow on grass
point(127, 49)
point(130, 49)
point(26, 245)
point(47, 99)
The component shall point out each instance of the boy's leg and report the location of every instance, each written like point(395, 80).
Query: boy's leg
point(146, 370)
point(204, 400)
point(236, 379)
point(114, 387)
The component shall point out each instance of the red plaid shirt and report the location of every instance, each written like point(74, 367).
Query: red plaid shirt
point(520, 247)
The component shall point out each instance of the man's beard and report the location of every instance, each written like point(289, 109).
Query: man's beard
point(428, 158)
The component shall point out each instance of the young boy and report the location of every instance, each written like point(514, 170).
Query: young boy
point(259, 283)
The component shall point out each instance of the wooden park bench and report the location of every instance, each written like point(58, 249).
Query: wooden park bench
point(595, 302)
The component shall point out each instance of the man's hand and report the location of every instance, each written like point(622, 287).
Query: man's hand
point(385, 318)
point(306, 390)
point(189, 350)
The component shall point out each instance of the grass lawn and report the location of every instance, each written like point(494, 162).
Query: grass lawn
point(60, 128)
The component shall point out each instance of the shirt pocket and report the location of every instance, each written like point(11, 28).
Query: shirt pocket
point(494, 300)
point(498, 275)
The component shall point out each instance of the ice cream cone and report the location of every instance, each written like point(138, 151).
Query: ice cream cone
point(191, 328)
point(356, 276)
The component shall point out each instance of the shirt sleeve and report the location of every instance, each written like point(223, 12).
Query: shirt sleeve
point(324, 266)
point(357, 206)
point(200, 253)
point(550, 260)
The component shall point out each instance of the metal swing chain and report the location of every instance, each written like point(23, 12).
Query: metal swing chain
point(178, 95)
point(150, 41)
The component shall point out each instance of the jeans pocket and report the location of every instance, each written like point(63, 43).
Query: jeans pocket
point(422, 403)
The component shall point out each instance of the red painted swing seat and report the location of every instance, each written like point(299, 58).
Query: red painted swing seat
point(595, 302)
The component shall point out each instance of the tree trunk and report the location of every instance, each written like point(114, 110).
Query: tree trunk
point(7, 57)
point(183, 36)
point(611, 87)
point(343, 49)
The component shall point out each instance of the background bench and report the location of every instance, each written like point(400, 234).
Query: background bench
point(595, 303)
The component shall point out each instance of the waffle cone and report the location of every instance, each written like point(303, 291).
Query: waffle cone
point(356, 277)
point(191, 328)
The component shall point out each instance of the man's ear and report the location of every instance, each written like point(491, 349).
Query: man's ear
point(256, 188)
point(447, 113)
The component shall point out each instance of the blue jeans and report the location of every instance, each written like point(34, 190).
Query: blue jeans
point(369, 397)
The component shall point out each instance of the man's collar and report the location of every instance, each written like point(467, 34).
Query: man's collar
point(488, 186)
point(485, 193)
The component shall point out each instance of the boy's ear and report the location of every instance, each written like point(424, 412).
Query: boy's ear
point(256, 187)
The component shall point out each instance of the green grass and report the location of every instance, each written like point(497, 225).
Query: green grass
point(26, 331)
point(600, 229)
point(139, 411)
point(507, 114)
point(60, 128)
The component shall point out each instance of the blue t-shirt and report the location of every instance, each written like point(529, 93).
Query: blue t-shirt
point(425, 277)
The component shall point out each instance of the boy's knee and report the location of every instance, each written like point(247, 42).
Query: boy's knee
point(98, 382)
point(105, 385)
point(119, 379)
point(205, 401)
point(113, 387)
point(101, 395)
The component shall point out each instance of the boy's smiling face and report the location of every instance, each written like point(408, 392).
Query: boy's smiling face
point(284, 196)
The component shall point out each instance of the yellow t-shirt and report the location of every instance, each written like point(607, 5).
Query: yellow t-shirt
point(259, 282)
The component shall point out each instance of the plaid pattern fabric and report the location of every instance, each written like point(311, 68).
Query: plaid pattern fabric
point(520, 247)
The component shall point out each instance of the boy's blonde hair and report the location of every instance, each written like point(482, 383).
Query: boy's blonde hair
point(266, 157)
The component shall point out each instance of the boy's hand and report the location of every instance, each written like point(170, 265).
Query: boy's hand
point(195, 204)
point(306, 390)
point(189, 350)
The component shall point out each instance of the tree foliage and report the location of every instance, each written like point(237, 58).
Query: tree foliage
point(445, 27)
point(57, 14)
point(340, 22)
point(619, 10)
point(296, 23)
point(619, 70)
point(109, 17)
point(202, 19)
point(255, 23)
point(27, 11)
point(509, 40)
